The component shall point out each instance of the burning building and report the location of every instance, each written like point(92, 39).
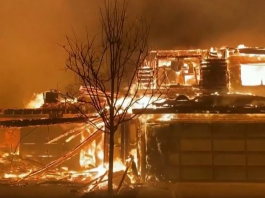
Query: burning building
point(212, 70)
point(209, 128)
point(209, 138)
point(51, 141)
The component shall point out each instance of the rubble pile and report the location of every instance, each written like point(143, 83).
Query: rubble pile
point(16, 171)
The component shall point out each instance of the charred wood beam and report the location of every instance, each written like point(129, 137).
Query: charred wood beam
point(26, 116)
point(252, 51)
point(177, 53)
point(38, 111)
point(202, 109)
point(177, 56)
point(40, 122)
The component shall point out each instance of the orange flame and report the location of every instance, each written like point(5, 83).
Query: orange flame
point(36, 101)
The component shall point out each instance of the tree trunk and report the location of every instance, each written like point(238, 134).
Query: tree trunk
point(111, 156)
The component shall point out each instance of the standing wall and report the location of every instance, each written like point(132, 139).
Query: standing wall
point(206, 152)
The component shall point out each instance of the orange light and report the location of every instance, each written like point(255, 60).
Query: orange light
point(252, 74)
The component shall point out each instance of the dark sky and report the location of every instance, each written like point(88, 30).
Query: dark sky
point(30, 30)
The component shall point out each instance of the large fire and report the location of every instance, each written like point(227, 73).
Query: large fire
point(91, 161)
point(253, 74)
point(91, 155)
point(252, 69)
point(36, 101)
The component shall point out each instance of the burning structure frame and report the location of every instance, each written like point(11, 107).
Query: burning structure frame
point(202, 86)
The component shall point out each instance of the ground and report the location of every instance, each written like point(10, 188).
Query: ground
point(187, 190)
point(52, 191)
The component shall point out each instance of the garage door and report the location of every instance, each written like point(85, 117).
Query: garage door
point(206, 152)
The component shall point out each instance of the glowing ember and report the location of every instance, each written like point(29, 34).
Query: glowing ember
point(240, 93)
point(14, 176)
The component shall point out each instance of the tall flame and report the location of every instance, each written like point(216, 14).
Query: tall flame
point(36, 101)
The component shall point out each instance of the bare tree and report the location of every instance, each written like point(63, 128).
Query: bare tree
point(108, 70)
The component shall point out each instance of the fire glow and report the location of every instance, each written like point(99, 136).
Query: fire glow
point(253, 74)
point(36, 101)
point(91, 156)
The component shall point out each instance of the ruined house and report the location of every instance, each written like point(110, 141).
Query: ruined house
point(210, 128)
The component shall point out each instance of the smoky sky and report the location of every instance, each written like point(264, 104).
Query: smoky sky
point(31, 60)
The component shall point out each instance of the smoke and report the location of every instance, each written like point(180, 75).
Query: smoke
point(30, 57)
point(30, 31)
point(193, 23)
